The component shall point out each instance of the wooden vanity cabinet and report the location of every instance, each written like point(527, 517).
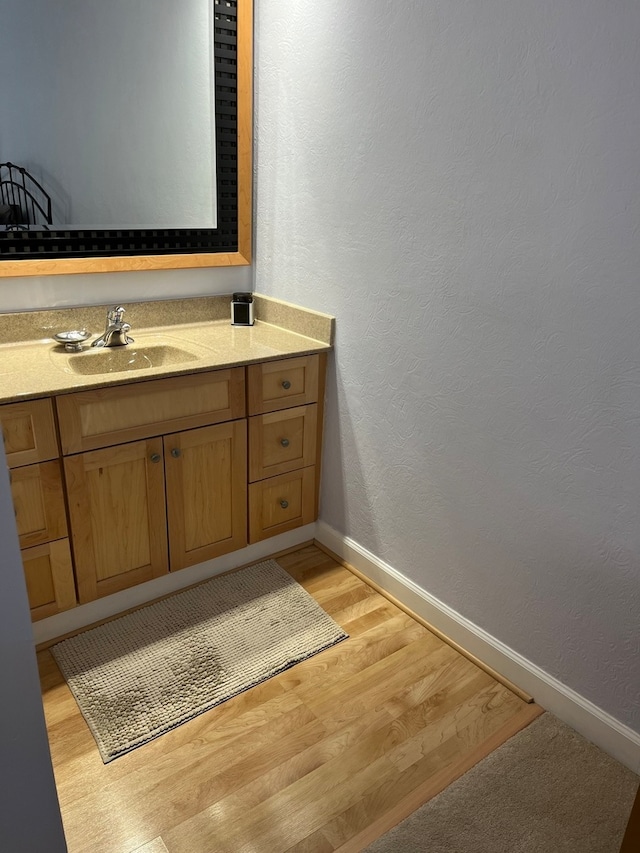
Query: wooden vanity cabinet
point(161, 474)
point(140, 509)
point(31, 447)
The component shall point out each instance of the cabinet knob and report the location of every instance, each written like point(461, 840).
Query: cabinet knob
point(284, 504)
point(286, 384)
point(176, 452)
point(155, 457)
point(284, 442)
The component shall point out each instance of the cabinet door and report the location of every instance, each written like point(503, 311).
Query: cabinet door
point(49, 576)
point(39, 503)
point(117, 516)
point(206, 471)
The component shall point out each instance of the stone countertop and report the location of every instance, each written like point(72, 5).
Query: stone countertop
point(41, 368)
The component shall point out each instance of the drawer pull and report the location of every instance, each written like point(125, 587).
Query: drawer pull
point(286, 384)
point(176, 452)
point(155, 457)
point(284, 504)
point(284, 442)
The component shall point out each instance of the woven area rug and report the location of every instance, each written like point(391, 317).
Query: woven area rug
point(147, 672)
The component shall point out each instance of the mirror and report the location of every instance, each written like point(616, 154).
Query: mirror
point(126, 136)
point(191, 89)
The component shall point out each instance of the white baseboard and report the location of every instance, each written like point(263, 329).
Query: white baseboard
point(86, 614)
point(592, 722)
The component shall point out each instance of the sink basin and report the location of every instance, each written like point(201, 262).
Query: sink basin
point(120, 359)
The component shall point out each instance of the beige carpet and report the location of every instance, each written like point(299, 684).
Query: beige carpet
point(147, 672)
point(546, 790)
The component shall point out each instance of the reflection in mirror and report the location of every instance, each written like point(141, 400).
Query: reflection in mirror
point(42, 249)
point(111, 110)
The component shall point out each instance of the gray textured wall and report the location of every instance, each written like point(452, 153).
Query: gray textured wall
point(460, 184)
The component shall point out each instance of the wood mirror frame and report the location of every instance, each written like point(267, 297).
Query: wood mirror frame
point(27, 265)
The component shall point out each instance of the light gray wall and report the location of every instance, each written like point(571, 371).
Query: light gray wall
point(459, 183)
point(110, 106)
point(29, 815)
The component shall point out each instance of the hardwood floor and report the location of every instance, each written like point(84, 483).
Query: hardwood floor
point(325, 756)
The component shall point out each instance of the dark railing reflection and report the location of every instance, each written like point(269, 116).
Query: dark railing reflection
point(24, 202)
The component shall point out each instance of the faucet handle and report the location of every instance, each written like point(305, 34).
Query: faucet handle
point(115, 314)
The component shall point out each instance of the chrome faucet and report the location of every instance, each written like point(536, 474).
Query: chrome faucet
point(115, 334)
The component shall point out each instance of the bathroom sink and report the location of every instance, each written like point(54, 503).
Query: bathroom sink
point(120, 359)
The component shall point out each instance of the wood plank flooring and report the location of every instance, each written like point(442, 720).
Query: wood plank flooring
point(326, 756)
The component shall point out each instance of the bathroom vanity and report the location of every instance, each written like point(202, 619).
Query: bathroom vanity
point(192, 442)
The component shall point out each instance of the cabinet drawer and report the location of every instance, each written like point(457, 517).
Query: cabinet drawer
point(49, 576)
point(39, 503)
point(92, 419)
point(29, 432)
point(282, 441)
point(281, 503)
point(276, 385)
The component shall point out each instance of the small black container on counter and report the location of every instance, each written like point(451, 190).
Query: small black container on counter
point(242, 309)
